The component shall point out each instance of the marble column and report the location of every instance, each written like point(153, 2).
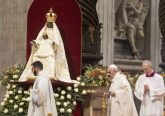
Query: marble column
point(105, 9)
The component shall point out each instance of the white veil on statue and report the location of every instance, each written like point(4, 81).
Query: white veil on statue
point(55, 64)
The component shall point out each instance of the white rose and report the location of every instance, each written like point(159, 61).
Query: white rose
point(69, 88)
point(56, 95)
point(59, 89)
point(65, 104)
point(10, 92)
point(62, 97)
point(5, 99)
point(75, 85)
point(15, 76)
point(16, 97)
point(19, 91)
point(58, 103)
point(21, 104)
point(78, 78)
point(26, 92)
point(84, 92)
point(11, 101)
point(8, 87)
point(15, 106)
point(2, 103)
point(27, 99)
point(82, 84)
point(63, 92)
point(20, 110)
point(24, 99)
point(68, 96)
point(6, 96)
point(74, 103)
point(14, 86)
point(69, 110)
point(76, 90)
point(6, 111)
point(62, 110)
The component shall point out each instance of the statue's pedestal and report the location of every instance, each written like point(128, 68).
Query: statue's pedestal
point(92, 105)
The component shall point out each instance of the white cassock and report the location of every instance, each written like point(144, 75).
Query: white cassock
point(122, 104)
point(152, 101)
point(42, 100)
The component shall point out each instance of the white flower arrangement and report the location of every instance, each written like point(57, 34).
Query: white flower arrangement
point(58, 103)
point(69, 96)
point(56, 95)
point(69, 110)
point(20, 110)
point(62, 97)
point(6, 111)
point(15, 76)
point(63, 92)
point(74, 103)
point(11, 101)
point(16, 99)
point(62, 110)
point(15, 106)
point(19, 91)
point(69, 88)
point(2, 103)
point(21, 104)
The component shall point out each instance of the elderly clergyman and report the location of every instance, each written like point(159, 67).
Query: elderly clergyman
point(150, 90)
point(120, 101)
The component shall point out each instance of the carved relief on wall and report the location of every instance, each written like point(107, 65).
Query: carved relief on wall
point(130, 19)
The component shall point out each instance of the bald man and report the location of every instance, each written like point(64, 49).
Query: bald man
point(150, 90)
point(120, 101)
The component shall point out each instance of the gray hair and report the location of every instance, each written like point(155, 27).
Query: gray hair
point(148, 62)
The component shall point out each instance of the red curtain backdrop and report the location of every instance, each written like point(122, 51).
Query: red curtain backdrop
point(69, 23)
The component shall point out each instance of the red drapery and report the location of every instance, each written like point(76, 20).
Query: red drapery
point(69, 24)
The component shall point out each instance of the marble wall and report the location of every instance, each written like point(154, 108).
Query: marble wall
point(13, 22)
point(13, 18)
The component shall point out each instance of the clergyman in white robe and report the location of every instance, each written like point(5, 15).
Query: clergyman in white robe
point(152, 101)
point(42, 101)
point(122, 104)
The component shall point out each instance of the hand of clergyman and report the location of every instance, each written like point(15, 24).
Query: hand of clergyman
point(146, 88)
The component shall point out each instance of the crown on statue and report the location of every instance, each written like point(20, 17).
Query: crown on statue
point(51, 16)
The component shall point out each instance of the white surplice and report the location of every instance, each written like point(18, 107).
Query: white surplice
point(42, 100)
point(122, 104)
point(152, 101)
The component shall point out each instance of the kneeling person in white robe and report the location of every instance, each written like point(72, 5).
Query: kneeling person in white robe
point(42, 99)
point(150, 90)
point(120, 102)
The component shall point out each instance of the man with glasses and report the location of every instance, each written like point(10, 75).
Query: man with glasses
point(120, 101)
point(150, 90)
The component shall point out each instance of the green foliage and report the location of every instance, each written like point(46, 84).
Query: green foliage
point(95, 76)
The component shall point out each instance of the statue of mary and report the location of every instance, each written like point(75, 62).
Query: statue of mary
point(49, 49)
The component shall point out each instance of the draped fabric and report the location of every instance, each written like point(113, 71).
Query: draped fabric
point(122, 104)
point(51, 55)
point(42, 100)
